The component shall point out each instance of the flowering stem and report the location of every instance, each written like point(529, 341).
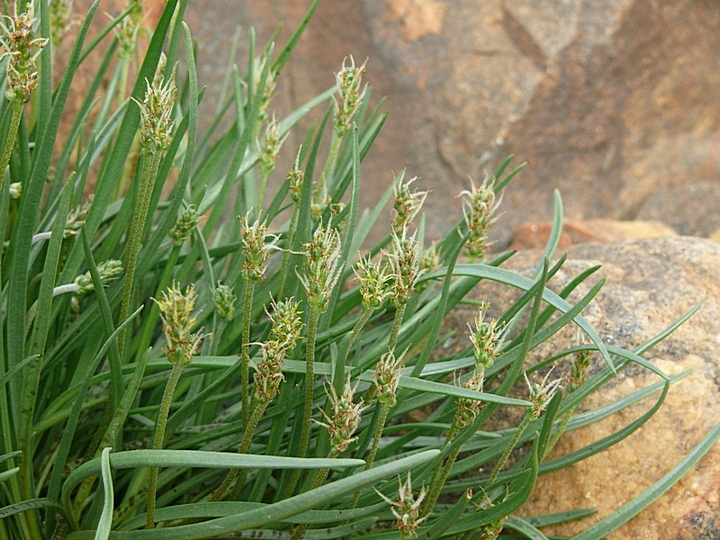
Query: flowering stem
point(258, 411)
point(147, 182)
point(334, 147)
point(309, 387)
point(245, 359)
point(288, 246)
point(399, 314)
point(518, 433)
point(561, 429)
point(261, 193)
point(17, 109)
point(384, 410)
point(159, 439)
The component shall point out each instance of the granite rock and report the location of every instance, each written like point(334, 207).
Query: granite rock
point(611, 101)
point(650, 284)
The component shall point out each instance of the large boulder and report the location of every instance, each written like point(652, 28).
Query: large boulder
point(650, 284)
point(612, 101)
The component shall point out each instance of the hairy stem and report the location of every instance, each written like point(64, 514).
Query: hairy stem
point(147, 182)
point(159, 439)
point(245, 358)
point(513, 442)
point(309, 387)
point(334, 147)
point(258, 411)
point(395, 332)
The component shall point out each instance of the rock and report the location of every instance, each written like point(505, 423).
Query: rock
point(686, 208)
point(535, 235)
point(650, 284)
point(611, 101)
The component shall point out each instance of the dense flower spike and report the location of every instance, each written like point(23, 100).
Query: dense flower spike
point(156, 122)
point(487, 339)
point(387, 377)
point(373, 281)
point(407, 508)
point(108, 270)
point(224, 299)
point(183, 228)
point(270, 147)
point(580, 370)
point(268, 372)
point(176, 311)
point(76, 218)
point(286, 323)
point(267, 92)
point(479, 206)
point(23, 49)
point(348, 80)
point(404, 259)
point(257, 248)
point(407, 204)
point(541, 394)
point(59, 13)
point(128, 29)
point(295, 177)
point(323, 269)
point(345, 417)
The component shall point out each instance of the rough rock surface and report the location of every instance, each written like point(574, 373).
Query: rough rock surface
point(611, 101)
point(650, 284)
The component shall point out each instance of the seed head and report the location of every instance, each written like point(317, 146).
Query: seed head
point(175, 310)
point(387, 377)
point(59, 13)
point(487, 339)
point(270, 147)
point(348, 81)
point(296, 177)
point(23, 49)
point(323, 269)
point(156, 122)
point(76, 218)
point(580, 370)
point(268, 372)
point(479, 205)
point(184, 226)
point(373, 281)
point(108, 270)
point(128, 29)
point(407, 204)
point(257, 248)
point(345, 418)
point(406, 508)
point(285, 323)
point(224, 299)
point(541, 394)
point(267, 92)
point(404, 261)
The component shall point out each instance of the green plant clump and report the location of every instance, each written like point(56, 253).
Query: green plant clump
point(168, 372)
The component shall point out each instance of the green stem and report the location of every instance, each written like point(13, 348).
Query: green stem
point(314, 317)
point(434, 490)
point(395, 332)
point(292, 228)
point(319, 480)
point(334, 147)
point(151, 163)
point(17, 110)
point(561, 429)
point(159, 439)
point(245, 358)
point(518, 433)
point(258, 411)
point(261, 194)
point(384, 410)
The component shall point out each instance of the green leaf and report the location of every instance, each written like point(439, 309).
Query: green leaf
point(105, 523)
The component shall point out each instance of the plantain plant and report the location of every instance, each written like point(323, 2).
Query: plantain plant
point(169, 371)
